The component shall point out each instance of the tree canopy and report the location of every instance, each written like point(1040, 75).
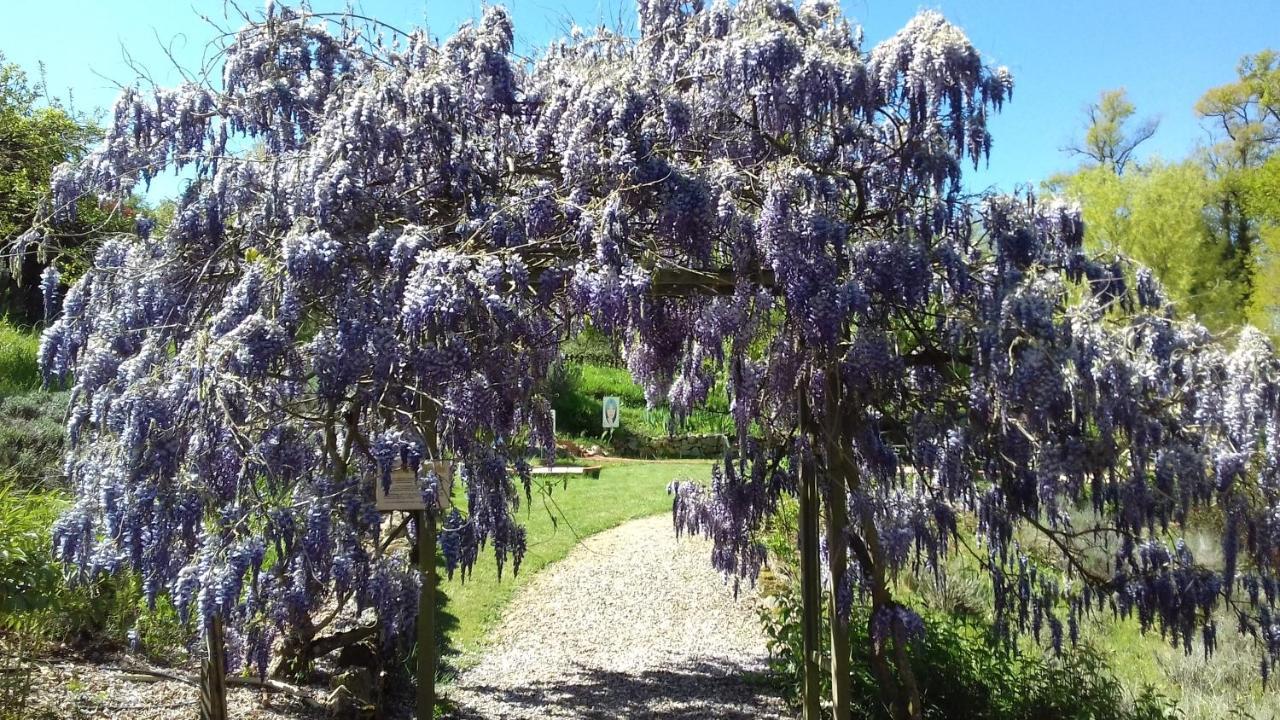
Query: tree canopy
point(1159, 214)
point(739, 189)
point(1109, 139)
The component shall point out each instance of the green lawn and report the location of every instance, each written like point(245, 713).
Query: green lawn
point(585, 506)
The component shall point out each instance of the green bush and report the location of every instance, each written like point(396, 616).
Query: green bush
point(962, 669)
point(40, 603)
point(28, 575)
point(31, 435)
point(962, 672)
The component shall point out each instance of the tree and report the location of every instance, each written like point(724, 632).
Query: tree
point(739, 189)
point(1108, 143)
point(1261, 202)
point(1159, 215)
point(34, 137)
point(1244, 118)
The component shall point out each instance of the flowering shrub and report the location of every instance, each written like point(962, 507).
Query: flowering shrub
point(740, 190)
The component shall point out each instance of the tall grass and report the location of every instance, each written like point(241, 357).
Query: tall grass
point(18, 370)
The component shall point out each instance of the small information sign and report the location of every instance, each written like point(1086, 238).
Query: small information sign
point(405, 493)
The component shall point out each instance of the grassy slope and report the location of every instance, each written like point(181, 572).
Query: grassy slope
point(624, 491)
point(579, 408)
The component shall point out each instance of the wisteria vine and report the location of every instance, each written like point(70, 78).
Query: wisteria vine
point(738, 191)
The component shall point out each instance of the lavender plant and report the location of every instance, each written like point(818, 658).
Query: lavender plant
point(741, 189)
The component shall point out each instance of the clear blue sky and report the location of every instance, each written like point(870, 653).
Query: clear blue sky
point(1062, 52)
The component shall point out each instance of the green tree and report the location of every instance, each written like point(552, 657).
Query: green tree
point(1259, 190)
point(1244, 117)
point(1110, 139)
point(36, 134)
point(1156, 214)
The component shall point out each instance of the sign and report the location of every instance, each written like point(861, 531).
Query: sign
point(610, 412)
point(405, 494)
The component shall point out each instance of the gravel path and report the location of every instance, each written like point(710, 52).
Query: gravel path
point(632, 624)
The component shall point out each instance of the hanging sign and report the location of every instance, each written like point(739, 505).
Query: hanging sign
point(405, 493)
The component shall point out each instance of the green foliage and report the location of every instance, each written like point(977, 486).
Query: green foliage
point(962, 669)
point(41, 603)
point(31, 435)
point(37, 133)
point(1245, 114)
point(1109, 139)
point(1260, 189)
point(577, 390)
point(28, 575)
point(963, 672)
point(1157, 214)
point(35, 139)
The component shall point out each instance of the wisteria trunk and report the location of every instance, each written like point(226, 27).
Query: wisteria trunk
point(898, 687)
point(837, 554)
point(213, 681)
point(297, 651)
point(810, 581)
point(837, 565)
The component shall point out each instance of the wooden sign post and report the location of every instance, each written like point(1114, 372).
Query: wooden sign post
point(405, 494)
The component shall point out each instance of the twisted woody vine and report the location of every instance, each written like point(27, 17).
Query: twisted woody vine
point(385, 237)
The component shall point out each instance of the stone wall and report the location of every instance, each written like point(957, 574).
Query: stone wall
point(678, 446)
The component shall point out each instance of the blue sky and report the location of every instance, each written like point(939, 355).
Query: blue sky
point(1062, 53)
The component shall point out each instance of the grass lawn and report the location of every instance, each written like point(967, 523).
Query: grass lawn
point(584, 506)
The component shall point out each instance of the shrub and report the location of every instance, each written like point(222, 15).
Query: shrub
point(31, 435)
point(28, 575)
point(40, 604)
point(962, 669)
point(963, 672)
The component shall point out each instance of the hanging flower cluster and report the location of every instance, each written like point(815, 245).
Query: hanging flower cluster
point(740, 191)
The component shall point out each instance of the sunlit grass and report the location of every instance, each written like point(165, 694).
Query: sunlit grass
point(18, 371)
